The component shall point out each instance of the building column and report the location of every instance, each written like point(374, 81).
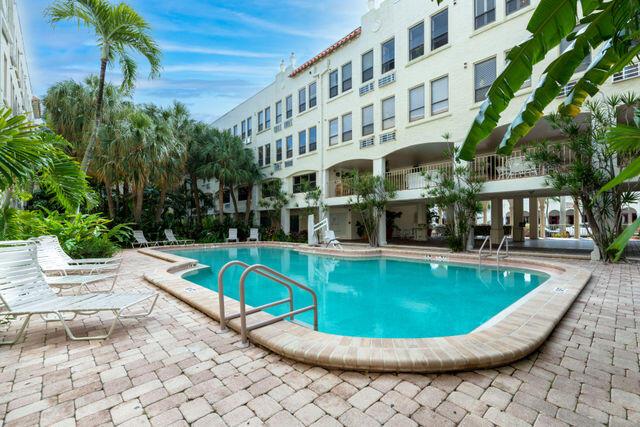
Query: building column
point(563, 214)
point(517, 230)
point(485, 208)
point(379, 170)
point(533, 218)
point(577, 219)
point(497, 221)
point(543, 218)
point(324, 186)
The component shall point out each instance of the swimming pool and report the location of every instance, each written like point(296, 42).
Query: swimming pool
point(375, 297)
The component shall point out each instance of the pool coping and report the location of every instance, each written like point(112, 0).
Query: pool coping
point(517, 333)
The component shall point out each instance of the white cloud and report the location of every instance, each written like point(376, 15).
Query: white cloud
point(180, 48)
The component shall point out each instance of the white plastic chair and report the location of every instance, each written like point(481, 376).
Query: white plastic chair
point(25, 292)
point(171, 238)
point(233, 235)
point(330, 240)
point(254, 235)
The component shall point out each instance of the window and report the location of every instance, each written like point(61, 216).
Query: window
point(289, 106)
point(243, 193)
point(367, 66)
point(485, 12)
point(302, 100)
point(346, 77)
point(278, 150)
point(235, 130)
point(278, 112)
point(388, 56)
point(267, 118)
point(388, 113)
point(333, 132)
point(367, 120)
point(347, 127)
point(564, 45)
point(416, 41)
point(267, 154)
point(333, 84)
point(244, 129)
point(302, 142)
point(303, 182)
point(440, 95)
point(249, 126)
point(289, 146)
point(485, 74)
point(260, 121)
point(416, 103)
point(313, 139)
point(515, 5)
point(440, 29)
point(312, 95)
point(260, 160)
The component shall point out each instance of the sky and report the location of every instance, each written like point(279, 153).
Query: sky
point(215, 53)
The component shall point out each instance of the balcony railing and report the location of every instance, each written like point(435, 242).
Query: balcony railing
point(339, 187)
point(416, 178)
point(628, 72)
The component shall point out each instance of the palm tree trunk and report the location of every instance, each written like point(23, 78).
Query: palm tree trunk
point(235, 203)
point(247, 211)
point(139, 197)
point(110, 204)
point(196, 198)
point(160, 207)
point(125, 197)
point(88, 153)
point(221, 199)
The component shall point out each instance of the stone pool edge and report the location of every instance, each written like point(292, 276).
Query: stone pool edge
point(514, 336)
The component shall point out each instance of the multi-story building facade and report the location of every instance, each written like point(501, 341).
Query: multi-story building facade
point(381, 100)
point(15, 84)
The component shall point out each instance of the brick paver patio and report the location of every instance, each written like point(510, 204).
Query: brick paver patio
point(175, 368)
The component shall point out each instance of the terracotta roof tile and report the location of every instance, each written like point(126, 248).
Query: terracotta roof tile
point(337, 45)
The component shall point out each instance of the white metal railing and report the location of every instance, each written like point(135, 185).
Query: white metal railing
point(566, 89)
point(415, 178)
point(629, 72)
point(277, 128)
point(367, 142)
point(274, 276)
point(365, 89)
point(504, 243)
point(487, 239)
point(388, 137)
point(288, 123)
point(387, 80)
point(339, 187)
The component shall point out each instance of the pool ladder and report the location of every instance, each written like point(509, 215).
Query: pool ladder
point(274, 276)
point(504, 244)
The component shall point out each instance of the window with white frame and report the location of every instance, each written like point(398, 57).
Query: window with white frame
point(389, 113)
point(388, 55)
point(302, 142)
point(267, 118)
point(485, 12)
point(416, 103)
point(346, 77)
point(333, 84)
point(235, 130)
point(249, 131)
point(333, 131)
point(260, 159)
point(313, 138)
point(289, 106)
point(484, 76)
point(313, 99)
point(278, 112)
point(267, 154)
point(440, 29)
point(367, 120)
point(347, 127)
point(289, 146)
point(440, 95)
point(303, 182)
point(515, 5)
point(260, 121)
point(367, 66)
point(416, 41)
point(244, 129)
point(278, 150)
point(302, 100)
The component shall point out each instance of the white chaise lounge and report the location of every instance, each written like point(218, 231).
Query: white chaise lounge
point(171, 238)
point(142, 242)
point(52, 243)
point(51, 261)
point(330, 239)
point(254, 235)
point(233, 235)
point(24, 292)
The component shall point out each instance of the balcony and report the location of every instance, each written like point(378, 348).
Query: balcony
point(339, 187)
point(416, 178)
point(628, 72)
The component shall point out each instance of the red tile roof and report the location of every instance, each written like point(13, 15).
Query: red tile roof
point(328, 51)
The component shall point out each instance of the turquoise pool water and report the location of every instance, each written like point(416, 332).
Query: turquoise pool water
point(376, 298)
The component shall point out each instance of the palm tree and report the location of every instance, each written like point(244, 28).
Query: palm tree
point(197, 136)
point(120, 32)
point(250, 175)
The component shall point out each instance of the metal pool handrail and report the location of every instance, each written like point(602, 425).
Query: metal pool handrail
point(274, 276)
point(505, 243)
point(486, 239)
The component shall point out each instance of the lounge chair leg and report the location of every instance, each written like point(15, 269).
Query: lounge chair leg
point(20, 333)
point(88, 338)
point(138, 315)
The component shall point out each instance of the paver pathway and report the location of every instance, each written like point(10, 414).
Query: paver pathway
point(175, 368)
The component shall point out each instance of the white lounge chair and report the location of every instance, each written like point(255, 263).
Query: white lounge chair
point(24, 292)
point(142, 242)
point(330, 240)
point(171, 238)
point(254, 235)
point(233, 235)
point(52, 262)
point(81, 282)
point(53, 243)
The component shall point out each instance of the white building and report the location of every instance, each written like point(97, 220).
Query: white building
point(381, 98)
point(15, 84)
